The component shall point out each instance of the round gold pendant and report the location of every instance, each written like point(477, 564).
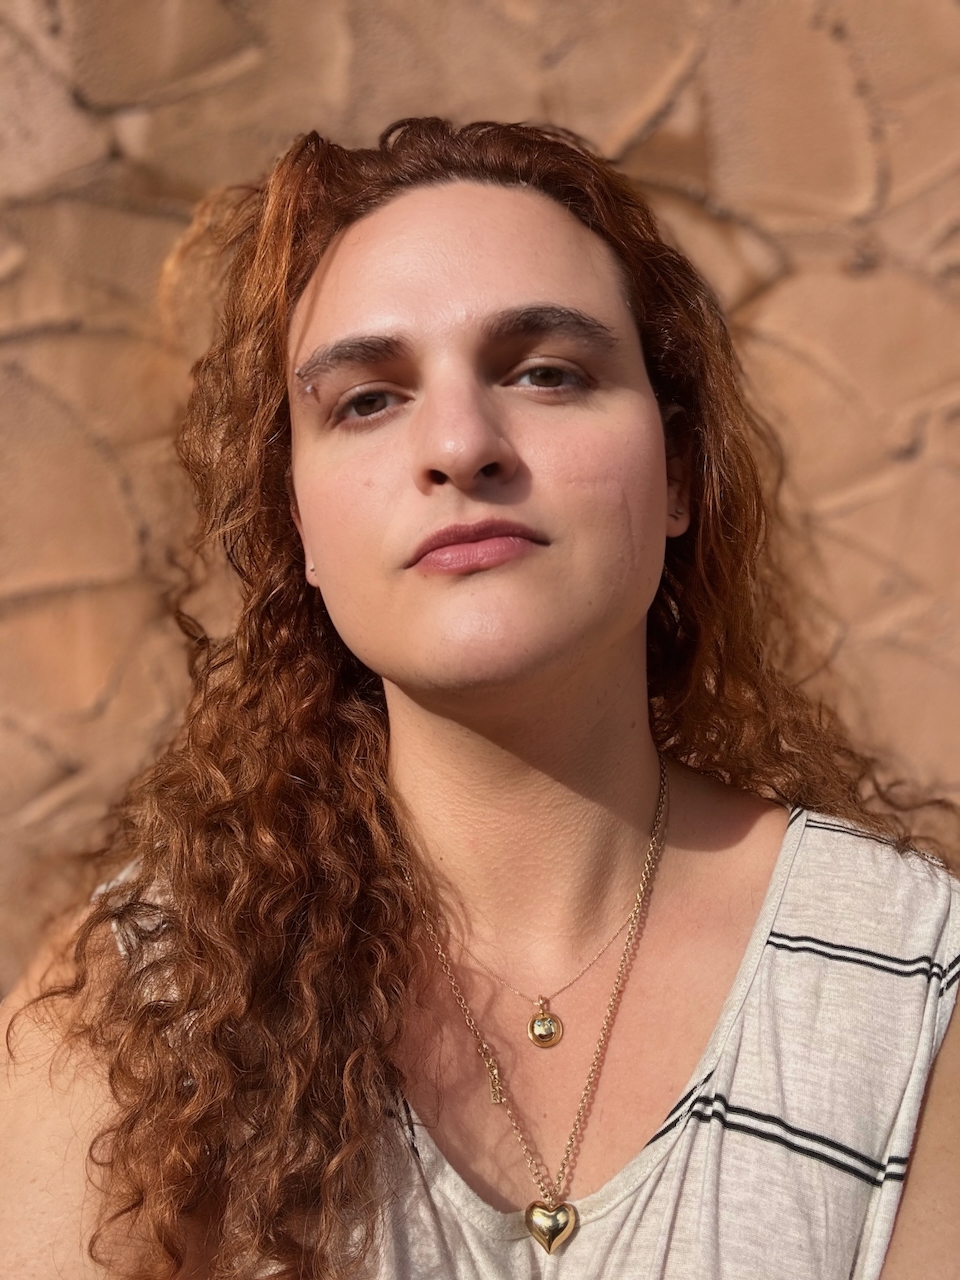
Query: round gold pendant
point(545, 1029)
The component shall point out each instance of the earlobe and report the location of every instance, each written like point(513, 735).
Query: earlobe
point(678, 501)
point(678, 521)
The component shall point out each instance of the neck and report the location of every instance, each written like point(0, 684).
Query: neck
point(534, 808)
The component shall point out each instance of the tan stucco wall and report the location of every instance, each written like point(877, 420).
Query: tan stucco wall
point(806, 153)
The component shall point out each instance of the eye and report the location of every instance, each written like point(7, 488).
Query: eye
point(367, 404)
point(550, 377)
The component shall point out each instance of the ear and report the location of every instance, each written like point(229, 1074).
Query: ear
point(678, 476)
point(678, 497)
point(311, 572)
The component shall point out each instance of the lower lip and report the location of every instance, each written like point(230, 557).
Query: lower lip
point(471, 557)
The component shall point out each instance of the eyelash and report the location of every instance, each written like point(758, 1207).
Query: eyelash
point(580, 380)
point(580, 383)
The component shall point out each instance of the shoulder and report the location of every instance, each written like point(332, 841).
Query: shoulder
point(926, 1237)
point(874, 932)
point(859, 890)
point(851, 855)
point(56, 1104)
point(55, 1101)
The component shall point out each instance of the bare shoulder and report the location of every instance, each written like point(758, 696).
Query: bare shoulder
point(722, 835)
point(926, 1236)
point(721, 852)
point(712, 814)
point(53, 1102)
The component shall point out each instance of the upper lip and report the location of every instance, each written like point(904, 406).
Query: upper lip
point(454, 533)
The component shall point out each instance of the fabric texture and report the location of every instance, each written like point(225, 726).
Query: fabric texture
point(785, 1157)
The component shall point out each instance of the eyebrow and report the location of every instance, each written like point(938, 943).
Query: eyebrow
point(351, 351)
point(517, 322)
point(548, 318)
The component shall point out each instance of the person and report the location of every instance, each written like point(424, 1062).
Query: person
point(505, 906)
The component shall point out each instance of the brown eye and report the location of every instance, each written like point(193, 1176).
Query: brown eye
point(550, 377)
point(369, 403)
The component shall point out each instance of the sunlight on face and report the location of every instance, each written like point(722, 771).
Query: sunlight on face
point(478, 457)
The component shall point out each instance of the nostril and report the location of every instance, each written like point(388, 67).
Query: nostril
point(490, 469)
point(437, 477)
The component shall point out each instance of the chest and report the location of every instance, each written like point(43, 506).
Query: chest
point(676, 985)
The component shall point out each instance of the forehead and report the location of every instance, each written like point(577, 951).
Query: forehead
point(451, 254)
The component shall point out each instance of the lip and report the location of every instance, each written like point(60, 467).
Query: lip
point(456, 535)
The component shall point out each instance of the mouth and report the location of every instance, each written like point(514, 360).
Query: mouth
point(460, 548)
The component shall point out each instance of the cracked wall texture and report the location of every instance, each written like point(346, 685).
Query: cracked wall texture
point(805, 153)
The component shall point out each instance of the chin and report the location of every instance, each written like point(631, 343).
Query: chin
point(479, 669)
point(467, 680)
point(483, 651)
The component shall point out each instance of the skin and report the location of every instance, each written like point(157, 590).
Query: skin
point(517, 698)
point(471, 662)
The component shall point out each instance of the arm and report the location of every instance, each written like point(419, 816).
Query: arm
point(926, 1237)
point(54, 1100)
point(52, 1105)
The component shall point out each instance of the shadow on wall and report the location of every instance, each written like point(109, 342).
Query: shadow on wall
point(806, 156)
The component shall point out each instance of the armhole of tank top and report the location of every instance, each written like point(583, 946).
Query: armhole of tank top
point(123, 876)
point(950, 951)
point(411, 1132)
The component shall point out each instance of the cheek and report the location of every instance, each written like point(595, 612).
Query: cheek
point(342, 541)
point(619, 490)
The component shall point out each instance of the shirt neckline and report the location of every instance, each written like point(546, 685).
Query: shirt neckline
point(443, 1178)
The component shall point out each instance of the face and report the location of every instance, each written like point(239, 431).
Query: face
point(479, 470)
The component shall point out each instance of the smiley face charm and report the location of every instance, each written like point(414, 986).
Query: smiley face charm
point(545, 1029)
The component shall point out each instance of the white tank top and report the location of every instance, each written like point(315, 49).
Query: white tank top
point(785, 1156)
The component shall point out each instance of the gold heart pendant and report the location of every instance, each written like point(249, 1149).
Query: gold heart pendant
point(550, 1227)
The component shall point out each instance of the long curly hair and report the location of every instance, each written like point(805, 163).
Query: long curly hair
point(271, 917)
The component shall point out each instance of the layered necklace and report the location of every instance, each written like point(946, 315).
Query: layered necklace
point(551, 1220)
point(545, 1027)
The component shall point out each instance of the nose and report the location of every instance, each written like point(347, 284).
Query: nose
point(461, 439)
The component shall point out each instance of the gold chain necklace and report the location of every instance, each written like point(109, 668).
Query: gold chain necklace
point(551, 1220)
point(545, 1028)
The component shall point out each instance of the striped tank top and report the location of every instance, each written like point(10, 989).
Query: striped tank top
point(785, 1157)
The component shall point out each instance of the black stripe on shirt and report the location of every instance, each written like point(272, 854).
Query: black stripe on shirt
point(796, 1132)
point(848, 946)
point(899, 966)
point(817, 824)
point(804, 1142)
point(951, 976)
point(874, 1180)
point(408, 1116)
point(673, 1114)
point(666, 1127)
point(795, 813)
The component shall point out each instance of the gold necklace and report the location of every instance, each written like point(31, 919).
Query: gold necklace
point(552, 1220)
point(545, 1028)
